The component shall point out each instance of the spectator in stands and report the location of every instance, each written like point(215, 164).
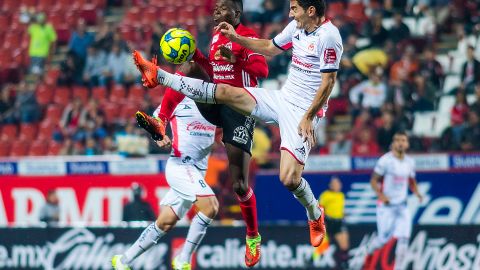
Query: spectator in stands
point(42, 43)
point(475, 106)
point(6, 106)
point(131, 74)
point(108, 146)
point(261, 147)
point(91, 147)
point(345, 27)
point(253, 10)
point(204, 33)
point(70, 121)
point(399, 31)
point(115, 68)
point(471, 134)
point(119, 41)
point(424, 95)
point(459, 114)
point(340, 145)
point(27, 14)
point(369, 94)
point(365, 145)
point(138, 209)
point(67, 148)
point(104, 37)
point(470, 71)
point(50, 212)
point(431, 69)
point(386, 131)
point(90, 113)
point(79, 42)
point(71, 73)
point(374, 30)
point(93, 72)
point(27, 109)
point(273, 11)
point(406, 67)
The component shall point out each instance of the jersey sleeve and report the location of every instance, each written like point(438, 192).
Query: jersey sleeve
point(380, 167)
point(284, 40)
point(330, 50)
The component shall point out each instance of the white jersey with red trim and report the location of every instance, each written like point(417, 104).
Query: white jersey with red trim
point(193, 136)
point(396, 174)
point(313, 53)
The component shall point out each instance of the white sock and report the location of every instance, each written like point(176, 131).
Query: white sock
point(147, 239)
point(303, 193)
point(196, 232)
point(198, 90)
point(400, 253)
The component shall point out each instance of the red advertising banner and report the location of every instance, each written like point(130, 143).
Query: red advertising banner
point(88, 199)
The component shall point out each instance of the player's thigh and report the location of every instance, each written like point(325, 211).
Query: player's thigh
point(266, 103)
point(173, 203)
point(235, 97)
point(208, 205)
point(289, 119)
point(290, 170)
point(385, 222)
point(403, 223)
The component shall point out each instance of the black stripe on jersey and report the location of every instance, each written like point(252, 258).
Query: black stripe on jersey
point(329, 70)
point(274, 43)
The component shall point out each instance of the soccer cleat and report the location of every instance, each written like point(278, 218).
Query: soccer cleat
point(317, 229)
point(252, 252)
point(154, 126)
point(176, 265)
point(147, 68)
point(117, 263)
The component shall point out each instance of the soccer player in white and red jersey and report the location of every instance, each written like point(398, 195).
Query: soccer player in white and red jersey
point(393, 174)
point(297, 107)
point(228, 63)
point(193, 138)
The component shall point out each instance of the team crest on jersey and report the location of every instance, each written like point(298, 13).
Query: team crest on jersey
point(240, 135)
point(228, 45)
point(311, 47)
point(215, 38)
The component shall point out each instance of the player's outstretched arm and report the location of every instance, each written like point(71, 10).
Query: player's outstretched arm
point(261, 46)
point(374, 182)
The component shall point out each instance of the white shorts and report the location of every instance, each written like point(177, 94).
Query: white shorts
point(186, 184)
point(393, 221)
point(273, 107)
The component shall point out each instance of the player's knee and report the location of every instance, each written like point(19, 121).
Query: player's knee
point(223, 93)
point(212, 210)
point(240, 187)
point(166, 225)
point(289, 178)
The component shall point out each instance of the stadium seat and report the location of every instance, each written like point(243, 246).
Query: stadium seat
point(45, 5)
point(4, 21)
point(28, 131)
point(355, 12)
point(111, 112)
point(99, 93)
point(9, 132)
point(335, 9)
point(44, 94)
point(46, 129)
point(54, 148)
point(133, 15)
point(38, 148)
point(451, 82)
point(19, 148)
point(156, 94)
point(128, 112)
point(89, 14)
point(136, 93)
point(5, 148)
point(118, 94)
point(62, 96)
point(430, 124)
point(54, 112)
point(82, 93)
point(446, 104)
point(10, 6)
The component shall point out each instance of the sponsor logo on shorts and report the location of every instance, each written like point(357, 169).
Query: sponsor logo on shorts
point(240, 135)
point(249, 122)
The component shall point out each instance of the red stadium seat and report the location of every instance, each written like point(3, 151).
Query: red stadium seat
point(5, 148)
point(356, 12)
point(54, 112)
point(63, 34)
point(54, 148)
point(28, 131)
point(44, 94)
point(82, 93)
point(10, 6)
point(134, 15)
point(128, 112)
point(156, 94)
point(335, 9)
point(136, 93)
point(111, 112)
point(89, 14)
point(99, 93)
point(118, 94)
point(9, 132)
point(4, 21)
point(38, 148)
point(19, 148)
point(46, 129)
point(62, 96)
point(45, 5)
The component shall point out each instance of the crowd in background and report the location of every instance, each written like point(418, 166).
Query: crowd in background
point(386, 76)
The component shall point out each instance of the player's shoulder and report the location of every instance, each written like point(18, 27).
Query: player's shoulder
point(386, 157)
point(329, 29)
point(246, 31)
point(410, 159)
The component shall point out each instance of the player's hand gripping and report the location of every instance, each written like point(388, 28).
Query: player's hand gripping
point(225, 54)
point(305, 129)
point(165, 143)
point(227, 30)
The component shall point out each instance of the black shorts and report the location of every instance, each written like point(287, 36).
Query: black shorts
point(237, 128)
point(335, 226)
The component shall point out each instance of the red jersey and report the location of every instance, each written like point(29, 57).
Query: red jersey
point(244, 72)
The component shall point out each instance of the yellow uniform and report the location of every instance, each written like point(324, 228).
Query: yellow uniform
point(334, 203)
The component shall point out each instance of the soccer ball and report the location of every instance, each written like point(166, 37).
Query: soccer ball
point(177, 45)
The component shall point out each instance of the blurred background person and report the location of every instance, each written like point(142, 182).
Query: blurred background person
point(138, 209)
point(50, 212)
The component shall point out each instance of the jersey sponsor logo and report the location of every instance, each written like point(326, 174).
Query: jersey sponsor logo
point(223, 77)
point(189, 89)
point(197, 125)
point(329, 56)
point(222, 68)
point(300, 63)
point(240, 135)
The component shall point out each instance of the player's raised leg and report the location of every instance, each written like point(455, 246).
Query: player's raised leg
point(198, 90)
point(291, 177)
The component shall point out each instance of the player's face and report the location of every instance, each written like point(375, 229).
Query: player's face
point(224, 12)
point(299, 14)
point(400, 143)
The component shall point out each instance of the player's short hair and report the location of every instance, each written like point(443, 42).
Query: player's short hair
point(401, 133)
point(238, 4)
point(319, 5)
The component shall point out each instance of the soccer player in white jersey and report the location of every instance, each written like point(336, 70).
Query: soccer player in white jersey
point(397, 170)
point(193, 137)
point(296, 108)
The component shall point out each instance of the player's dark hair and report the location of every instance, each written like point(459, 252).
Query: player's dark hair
point(238, 4)
point(401, 133)
point(319, 5)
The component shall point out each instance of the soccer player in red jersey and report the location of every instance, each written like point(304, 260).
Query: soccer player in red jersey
point(231, 64)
